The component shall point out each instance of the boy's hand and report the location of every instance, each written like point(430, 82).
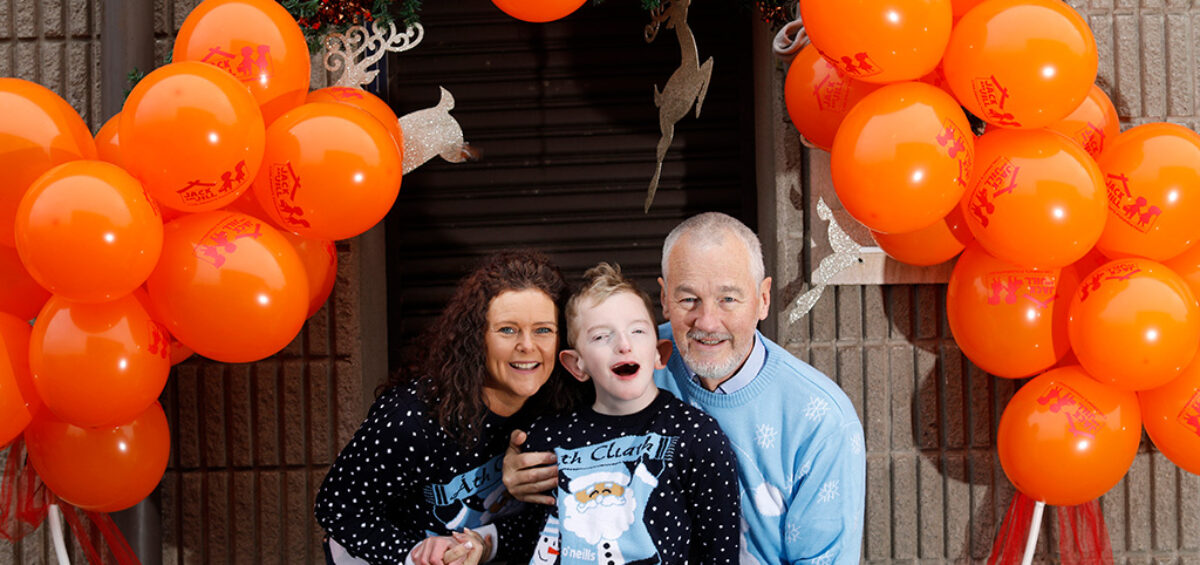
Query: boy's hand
point(529, 475)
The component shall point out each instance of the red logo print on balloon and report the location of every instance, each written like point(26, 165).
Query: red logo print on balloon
point(160, 340)
point(1009, 287)
point(284, 184)
point(1083, 418)
point(1114, 272)
point(858, 65)
point(1134, 210)
point(832, 92)
point(998, 179)
point(220, 240)
point(1092, 138)
point(991, 96)
point(248, 62)
point(952, 138)
point(199, 191)
point(346, 93)
point(1190, 415)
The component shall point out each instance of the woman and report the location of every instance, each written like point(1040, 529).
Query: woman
point(423, 473)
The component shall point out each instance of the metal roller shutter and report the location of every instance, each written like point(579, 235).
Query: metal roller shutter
point(563, 115)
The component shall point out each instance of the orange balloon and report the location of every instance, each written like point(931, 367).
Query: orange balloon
point(879, 41)
point(937, 77)
point(1171, 415)
point(1152, 173)
point(108, 142)
point(366, 101)
point(1134, 324)
point(88, 231)
point(1187, 265)
point(229, 286)
point(902, 157)
point(1065, 439)
point(257, 42)
point(330, 172)
point(101, 469)
point(193, 135)
point(1093, 124)
point(1021, 63)
point(19, 401)
point(935, 244)
point(20, 295)
point(39, 130)
point(320, 264)
point(179, 351)
point(1009, 320)
point(1036, 199)
point(98, 364)
point(961, 7)
point(538, 11)
point(818, 96)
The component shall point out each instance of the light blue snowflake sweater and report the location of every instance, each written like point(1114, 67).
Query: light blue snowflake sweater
point(800, 457)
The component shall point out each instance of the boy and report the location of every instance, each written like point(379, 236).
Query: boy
point(643, 477)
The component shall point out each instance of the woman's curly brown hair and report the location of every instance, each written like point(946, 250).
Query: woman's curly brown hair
point(451, 374)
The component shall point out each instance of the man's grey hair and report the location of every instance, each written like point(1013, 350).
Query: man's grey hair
point(710, 228)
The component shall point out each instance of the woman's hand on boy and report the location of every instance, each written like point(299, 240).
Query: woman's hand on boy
point(528, 476)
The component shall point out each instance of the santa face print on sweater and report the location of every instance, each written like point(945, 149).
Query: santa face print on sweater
point(600, 512)
point(472, 498)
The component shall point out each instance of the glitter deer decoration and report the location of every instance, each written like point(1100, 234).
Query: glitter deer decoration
point(687, 85)
point(427, 132)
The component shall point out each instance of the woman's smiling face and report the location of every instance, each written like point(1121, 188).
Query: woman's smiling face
point(522, 345)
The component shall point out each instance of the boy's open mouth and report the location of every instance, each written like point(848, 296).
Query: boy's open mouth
point(625, 369)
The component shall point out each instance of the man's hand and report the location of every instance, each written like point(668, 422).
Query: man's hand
point(472, 548)
point(529, 475)
point(431, 550)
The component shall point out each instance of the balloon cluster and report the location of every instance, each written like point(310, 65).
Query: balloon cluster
point(199, 219)
point(1079, 262)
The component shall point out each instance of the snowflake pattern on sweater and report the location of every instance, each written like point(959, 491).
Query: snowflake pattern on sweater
point(658, 486)
point(401, 479)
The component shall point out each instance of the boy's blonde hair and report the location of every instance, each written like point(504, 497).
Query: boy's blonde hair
point(601, 282)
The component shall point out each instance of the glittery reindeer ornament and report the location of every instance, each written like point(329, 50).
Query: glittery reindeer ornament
point(687, 85)
point(427, 132)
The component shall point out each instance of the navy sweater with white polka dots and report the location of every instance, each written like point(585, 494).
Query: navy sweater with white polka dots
point(657, 486)
point(401, 479)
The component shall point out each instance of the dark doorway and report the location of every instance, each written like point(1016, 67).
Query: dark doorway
point(564, 118)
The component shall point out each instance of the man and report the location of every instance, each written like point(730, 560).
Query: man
point(799, 443)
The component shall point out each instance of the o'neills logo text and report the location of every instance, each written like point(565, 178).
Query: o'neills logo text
point(991, 96)
point(998, 179)
point(248, 62)
point(1189, 417)
point(1083, 418)
point(1113, 272)
point(199, 191)
point(1011, 287)
point(953, 141)
point(284, 185)
point(1136, 211)
point(222, 239)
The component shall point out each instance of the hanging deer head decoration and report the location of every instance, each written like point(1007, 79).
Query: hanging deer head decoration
point(687, 85)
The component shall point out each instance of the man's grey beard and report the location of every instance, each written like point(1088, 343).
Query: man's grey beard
point(712, 370)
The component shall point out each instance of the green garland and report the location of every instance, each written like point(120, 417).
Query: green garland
point(318, 18)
